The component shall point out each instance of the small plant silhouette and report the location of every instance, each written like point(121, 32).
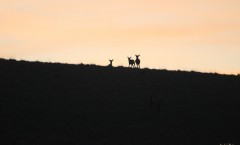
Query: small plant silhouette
point(131, 62)
point(137, 61)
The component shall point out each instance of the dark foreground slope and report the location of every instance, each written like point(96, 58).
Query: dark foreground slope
point(47, 104)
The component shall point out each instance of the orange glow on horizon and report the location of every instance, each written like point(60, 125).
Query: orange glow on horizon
point(196, 35)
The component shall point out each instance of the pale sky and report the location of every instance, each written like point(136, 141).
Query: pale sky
point(200, 35)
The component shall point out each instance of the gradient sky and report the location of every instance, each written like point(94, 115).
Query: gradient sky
point(201, 35)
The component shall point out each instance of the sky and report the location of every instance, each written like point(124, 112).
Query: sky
point(199, 35)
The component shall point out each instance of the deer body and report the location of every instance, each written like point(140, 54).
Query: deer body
point(131, 62)
point(137, 61)
point(110, 65)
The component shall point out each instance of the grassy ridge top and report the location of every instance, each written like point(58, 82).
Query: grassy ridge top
point(53, 103)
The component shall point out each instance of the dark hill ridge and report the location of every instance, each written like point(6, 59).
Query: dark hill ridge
point(46, 104)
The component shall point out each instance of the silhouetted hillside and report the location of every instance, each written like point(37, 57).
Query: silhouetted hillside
point(61, 104)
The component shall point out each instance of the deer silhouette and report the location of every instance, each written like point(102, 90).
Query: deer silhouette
point(131, 62)
point(110, 65)
point(137, 61)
